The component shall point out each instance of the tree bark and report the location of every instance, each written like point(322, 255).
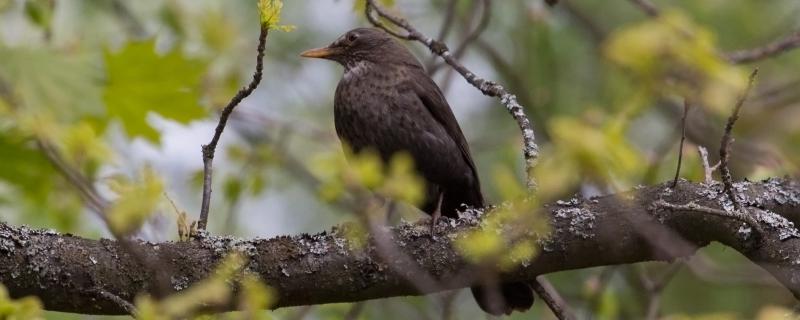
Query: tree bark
point(74, 274)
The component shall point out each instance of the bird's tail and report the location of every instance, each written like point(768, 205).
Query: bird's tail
point(498, 300)
point(507, 298)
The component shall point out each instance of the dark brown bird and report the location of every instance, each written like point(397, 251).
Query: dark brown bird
point(386, 102)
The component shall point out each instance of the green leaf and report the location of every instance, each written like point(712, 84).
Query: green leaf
point(270, 14)
point(27, 169)
point(141, 81)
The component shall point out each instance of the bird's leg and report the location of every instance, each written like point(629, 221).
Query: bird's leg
point(436, 214)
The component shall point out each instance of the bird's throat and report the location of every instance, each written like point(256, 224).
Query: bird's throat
point(356, 69)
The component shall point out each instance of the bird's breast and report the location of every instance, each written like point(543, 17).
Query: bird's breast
point(361, 107)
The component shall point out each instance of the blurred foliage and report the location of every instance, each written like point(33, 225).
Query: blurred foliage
point(366, 170)
point(136, 201)
point(216, 290)
point(671, 55)
point(110, 85)
point(28, 308)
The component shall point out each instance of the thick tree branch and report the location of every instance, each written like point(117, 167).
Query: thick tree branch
point(67, 272)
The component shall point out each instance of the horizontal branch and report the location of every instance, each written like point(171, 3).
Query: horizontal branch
point(71, 274)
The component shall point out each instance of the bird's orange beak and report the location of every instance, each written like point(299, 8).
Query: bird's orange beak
point(323, 52)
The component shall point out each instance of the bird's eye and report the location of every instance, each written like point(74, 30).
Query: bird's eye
point(352, 37)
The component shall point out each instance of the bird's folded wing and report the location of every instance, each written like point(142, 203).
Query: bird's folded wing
point(433, 99)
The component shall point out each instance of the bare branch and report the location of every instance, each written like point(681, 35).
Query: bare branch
point(210, 148)
point(444, 30)
point(647, 7)
point(654, 287)
point(683, 138)
point(769, 50)
point(708, 170)
point(85, 188)
point(554, 301)
point(473, 36)
point(724, 148)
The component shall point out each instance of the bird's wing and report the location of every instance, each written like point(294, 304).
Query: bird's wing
point(433, 99)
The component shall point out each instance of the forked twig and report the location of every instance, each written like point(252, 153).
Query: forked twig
point(210, 148)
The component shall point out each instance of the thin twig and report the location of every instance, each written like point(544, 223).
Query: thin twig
point(444, 30)
point(472, 36)
point(489, 88)
point(93, 200)
point(724, 148)
point(769, 50)
point(554, 301)
point(667, 276)
point(467, 21)
point(210, 148)
point(595, 31)
point(683, 138)
point(647, 7)
point(655, 287)
point(691, 206)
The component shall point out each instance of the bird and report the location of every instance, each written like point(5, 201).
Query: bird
point(386, 102)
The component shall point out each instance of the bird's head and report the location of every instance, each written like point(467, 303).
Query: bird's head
point(363, 44)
